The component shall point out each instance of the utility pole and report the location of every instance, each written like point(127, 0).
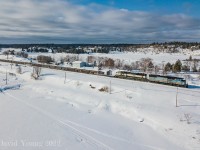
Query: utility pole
point(177, 97)
point(11, 65)
point(6, 77)
point(11, 62)
point(163, 67)
point(98, 70)
point(65, 78)
point(110, 87)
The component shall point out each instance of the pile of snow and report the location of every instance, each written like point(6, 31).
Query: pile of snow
point(9, 87)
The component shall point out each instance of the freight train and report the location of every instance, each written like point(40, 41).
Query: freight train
point(50, 66)
point(167, 80)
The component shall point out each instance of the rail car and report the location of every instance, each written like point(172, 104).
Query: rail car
point(167, 80)
point(129, 75)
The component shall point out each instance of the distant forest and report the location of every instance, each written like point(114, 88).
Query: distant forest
point(68, 46)
point(171, 47)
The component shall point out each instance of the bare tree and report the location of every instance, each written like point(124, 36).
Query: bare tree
point(127, 67)
point(44, 59)
point(71, 58)
point(36, 72)
point(109, 63)
point(188, 118)
point(118, 63)
point(156, 69)
point(135, 65)
point(100, 62)
point(195, 64)
point(6, 53)
point(90, 59)
point(144, 63)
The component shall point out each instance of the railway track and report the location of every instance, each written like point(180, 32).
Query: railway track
point(50, 66)
point(79, 70)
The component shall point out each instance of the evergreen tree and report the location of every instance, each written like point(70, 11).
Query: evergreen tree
point(168, 67)
point(150, 65)
point(177, 66)
point(190, 58)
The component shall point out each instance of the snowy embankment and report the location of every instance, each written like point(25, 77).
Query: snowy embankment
point(9, 87)
point(134, 115)
point(12, 81)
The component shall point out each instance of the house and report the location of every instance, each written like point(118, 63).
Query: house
point(78, 64)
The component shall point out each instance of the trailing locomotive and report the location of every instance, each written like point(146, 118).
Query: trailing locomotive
point(167, 80)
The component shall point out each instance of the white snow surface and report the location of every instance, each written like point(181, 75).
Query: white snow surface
point(130, 57)
point(56, 114)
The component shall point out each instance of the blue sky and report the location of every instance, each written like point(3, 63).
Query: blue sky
point(190, 7)
point(99, 21)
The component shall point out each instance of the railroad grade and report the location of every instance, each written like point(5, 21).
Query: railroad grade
point(165, 80)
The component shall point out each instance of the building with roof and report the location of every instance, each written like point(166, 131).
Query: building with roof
point(78, 64)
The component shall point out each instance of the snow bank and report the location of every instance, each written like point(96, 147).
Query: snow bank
point(9, 87)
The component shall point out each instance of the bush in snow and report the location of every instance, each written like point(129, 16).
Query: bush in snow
point(22, 54)
point(188, 118)
point(92, 86)
point(19, 70)
point(104, 89)
point(44, 59)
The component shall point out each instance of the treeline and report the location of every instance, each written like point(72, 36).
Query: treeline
point(25, 46)
point(70, 46)
point(184, 45)
point(170, 47)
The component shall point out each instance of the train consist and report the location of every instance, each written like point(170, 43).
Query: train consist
point(167, 80)
point(50, 66)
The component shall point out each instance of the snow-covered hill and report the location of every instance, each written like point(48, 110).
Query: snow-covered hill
point(157, 55)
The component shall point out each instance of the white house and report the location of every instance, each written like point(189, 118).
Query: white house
point(79, 64)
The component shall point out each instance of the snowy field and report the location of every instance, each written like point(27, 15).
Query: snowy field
point(55, 114)
point(127, 57)
point(160, 58)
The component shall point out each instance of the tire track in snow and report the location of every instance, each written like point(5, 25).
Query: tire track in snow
point(112, 137)
point(88, 139)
